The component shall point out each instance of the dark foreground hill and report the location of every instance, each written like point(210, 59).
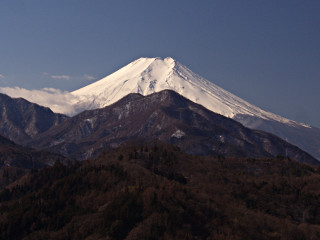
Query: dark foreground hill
point(15, 160)
point(168, 117)
point(157, 192)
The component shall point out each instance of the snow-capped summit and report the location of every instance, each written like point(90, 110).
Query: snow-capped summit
point(149, 75)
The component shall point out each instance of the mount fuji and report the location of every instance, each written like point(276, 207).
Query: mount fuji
point(148, 75)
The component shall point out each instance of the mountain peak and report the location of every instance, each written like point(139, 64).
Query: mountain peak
point(156, 58)
point(165, 116)
point(148, 75)
point(144, 76)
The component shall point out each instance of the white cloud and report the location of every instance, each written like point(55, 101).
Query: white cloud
point(1, 76)
point(89, 77)
point(58, 101)
point(65, 77)
point(68, 77)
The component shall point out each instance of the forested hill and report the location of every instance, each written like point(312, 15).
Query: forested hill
point(16, 160)
point(157, 192)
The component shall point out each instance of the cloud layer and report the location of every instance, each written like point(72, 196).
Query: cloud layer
point(58, 101)
point(88, 77)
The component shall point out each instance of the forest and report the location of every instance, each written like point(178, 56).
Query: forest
point(155, 191)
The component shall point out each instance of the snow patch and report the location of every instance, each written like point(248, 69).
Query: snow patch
point(89, 122)
point(178, 134)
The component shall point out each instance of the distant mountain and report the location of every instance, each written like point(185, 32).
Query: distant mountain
point(165, 116)
point(148, 75)
point(306, 138)
point(15, 160)
point(21, 120)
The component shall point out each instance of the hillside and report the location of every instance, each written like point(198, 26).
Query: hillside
point(157, 192)
point(16, 161)
point(21, 120)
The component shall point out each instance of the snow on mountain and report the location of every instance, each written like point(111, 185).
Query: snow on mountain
point(149, 75)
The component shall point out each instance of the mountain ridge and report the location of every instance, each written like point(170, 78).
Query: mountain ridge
point(160, 74)
point(21, 120)
point(16, 160)
point(164, 116)
point(149, 75)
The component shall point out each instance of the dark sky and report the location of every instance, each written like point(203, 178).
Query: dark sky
point(266, 52)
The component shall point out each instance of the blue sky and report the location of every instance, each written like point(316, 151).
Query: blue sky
point(266, 52)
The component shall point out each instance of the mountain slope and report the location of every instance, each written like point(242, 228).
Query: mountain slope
point(307, 138)
point(157, 192)
point(149, 75)
point(15, 160)
point(165, 116)
point(21, 120)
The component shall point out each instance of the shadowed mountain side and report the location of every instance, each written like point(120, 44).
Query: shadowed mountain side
point(307, 138)
point(16, 160)
point(165, 116)
point(21, 120)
